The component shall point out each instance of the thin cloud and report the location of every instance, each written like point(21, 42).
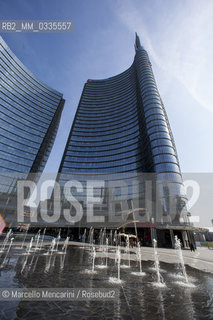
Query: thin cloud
point(182, 44)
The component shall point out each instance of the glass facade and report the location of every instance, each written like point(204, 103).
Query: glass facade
point(121, 131)
point(121, 125)
point(30, 112)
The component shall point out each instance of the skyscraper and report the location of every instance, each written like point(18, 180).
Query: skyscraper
point(29, 118)
point(121, 128)
point(121, 125)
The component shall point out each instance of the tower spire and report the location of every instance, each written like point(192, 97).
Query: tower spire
point(137, 42)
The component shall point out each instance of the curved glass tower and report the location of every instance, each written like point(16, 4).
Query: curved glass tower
point(30, 114)
point(121, 131)
point(121, 125)
point(29, 119)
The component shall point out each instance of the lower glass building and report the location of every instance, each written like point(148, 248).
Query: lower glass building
point(121, 133)
point(30, 112)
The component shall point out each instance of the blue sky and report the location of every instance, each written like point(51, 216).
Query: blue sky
point(176, 34)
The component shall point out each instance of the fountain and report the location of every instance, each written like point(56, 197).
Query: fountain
point(11, 241)
point(52, 246)
point(93, 259)
point(106, 250)
point(139, 257)
point(9, 233)
point(27, 253)
point(138, 253)
point(33, 270)
point(103, 248)
point(128, 251)
point(58, 240)
point(31, 262)
point(92, 253)
point(25, 235)
point(62, 260)
point(42, 239)
point(103, 237)
point(180, 255)
point(64, 248)
point(56, 248)
point(91, 234)
point(160, 282)
point(118, 262)
point(92, 256)
point(181, 265)
point(29, 247)
point(127, 254)
point(37, 237)
point(115, 239)
point(50, 252)
point(118, 258)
